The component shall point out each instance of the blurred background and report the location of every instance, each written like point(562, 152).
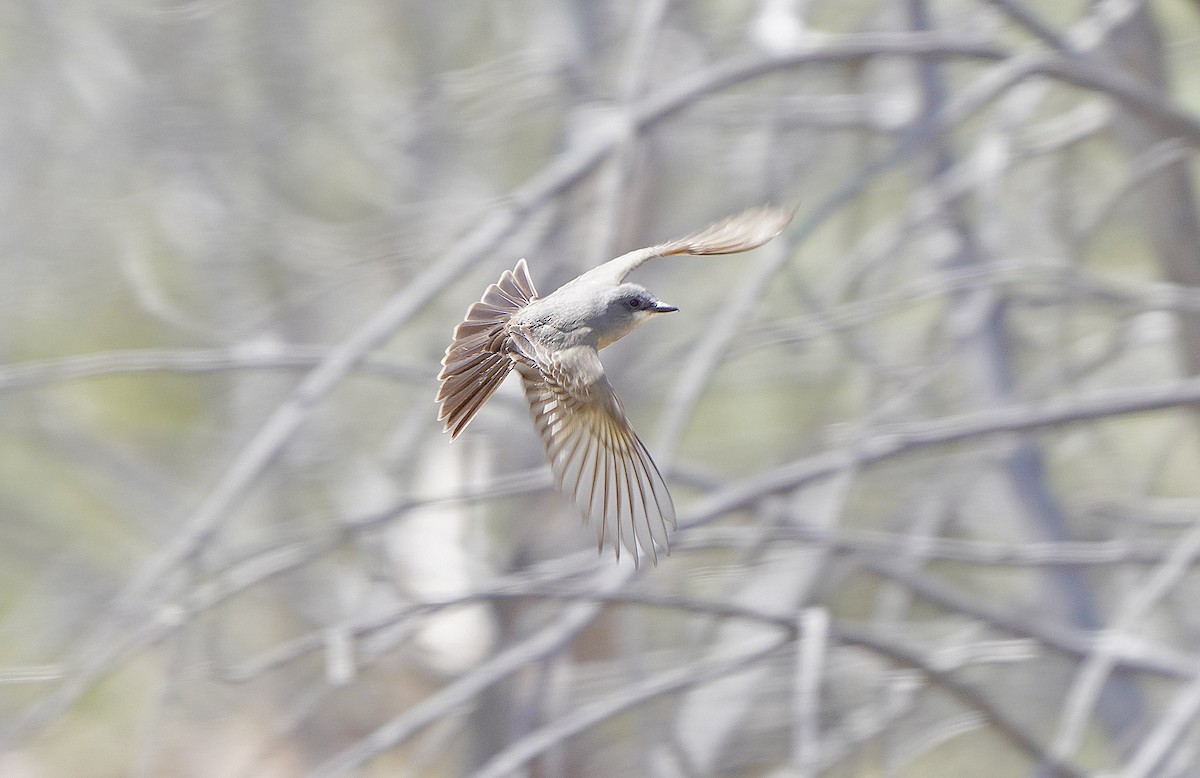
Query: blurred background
point(934, 449)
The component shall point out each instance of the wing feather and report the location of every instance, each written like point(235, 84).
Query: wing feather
point(597, 459)
point(741, 232)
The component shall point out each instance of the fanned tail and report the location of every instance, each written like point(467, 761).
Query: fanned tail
point(478, 360)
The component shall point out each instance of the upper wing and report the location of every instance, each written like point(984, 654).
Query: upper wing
point(478, 358)
point(740, 232)
point(597, 459)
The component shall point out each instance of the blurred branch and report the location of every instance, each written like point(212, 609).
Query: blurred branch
point(537, 742)
point(987, 349)
point(25, 375)
point(1129, 619)
point(1019, 12)
point(892, 440)
point(1035, 283)
point(936, 548)
point(714, 342)
point(1155, 749)
point(1016, 67)
point(546, 641)
point(1011, 728)
point(529, 747)
point(1147, 163)
point(613, 178)
point(1139, 655)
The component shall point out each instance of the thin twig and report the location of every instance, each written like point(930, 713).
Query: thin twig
point(26, 375)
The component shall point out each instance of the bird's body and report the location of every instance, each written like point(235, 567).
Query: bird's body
point(575, 315)
point(553, 342)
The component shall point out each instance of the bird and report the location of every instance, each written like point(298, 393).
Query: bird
point(553, 343)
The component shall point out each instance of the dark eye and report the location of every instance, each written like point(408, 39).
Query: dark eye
point(634, 302)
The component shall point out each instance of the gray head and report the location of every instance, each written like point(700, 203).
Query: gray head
point(622, 309)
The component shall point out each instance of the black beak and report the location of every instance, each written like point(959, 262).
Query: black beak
point(663, 308)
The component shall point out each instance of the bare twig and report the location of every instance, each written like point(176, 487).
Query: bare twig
point(1011, 728)
point(27, 375)
point(540, 644)
point(1155, 748)
point(524, 749)
point(894, 440)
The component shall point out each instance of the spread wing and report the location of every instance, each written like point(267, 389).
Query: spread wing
point(597, 459)
point(479, 357)
point(740, 232)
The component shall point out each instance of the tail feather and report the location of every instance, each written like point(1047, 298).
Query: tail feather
point(477, 360)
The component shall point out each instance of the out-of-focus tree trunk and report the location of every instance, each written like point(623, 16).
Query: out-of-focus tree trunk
point(990, 356)
point(1167, 199)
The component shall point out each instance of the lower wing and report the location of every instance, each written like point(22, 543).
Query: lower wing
point(597, 458)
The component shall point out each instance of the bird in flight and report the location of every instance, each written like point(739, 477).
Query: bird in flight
point(553, 342)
